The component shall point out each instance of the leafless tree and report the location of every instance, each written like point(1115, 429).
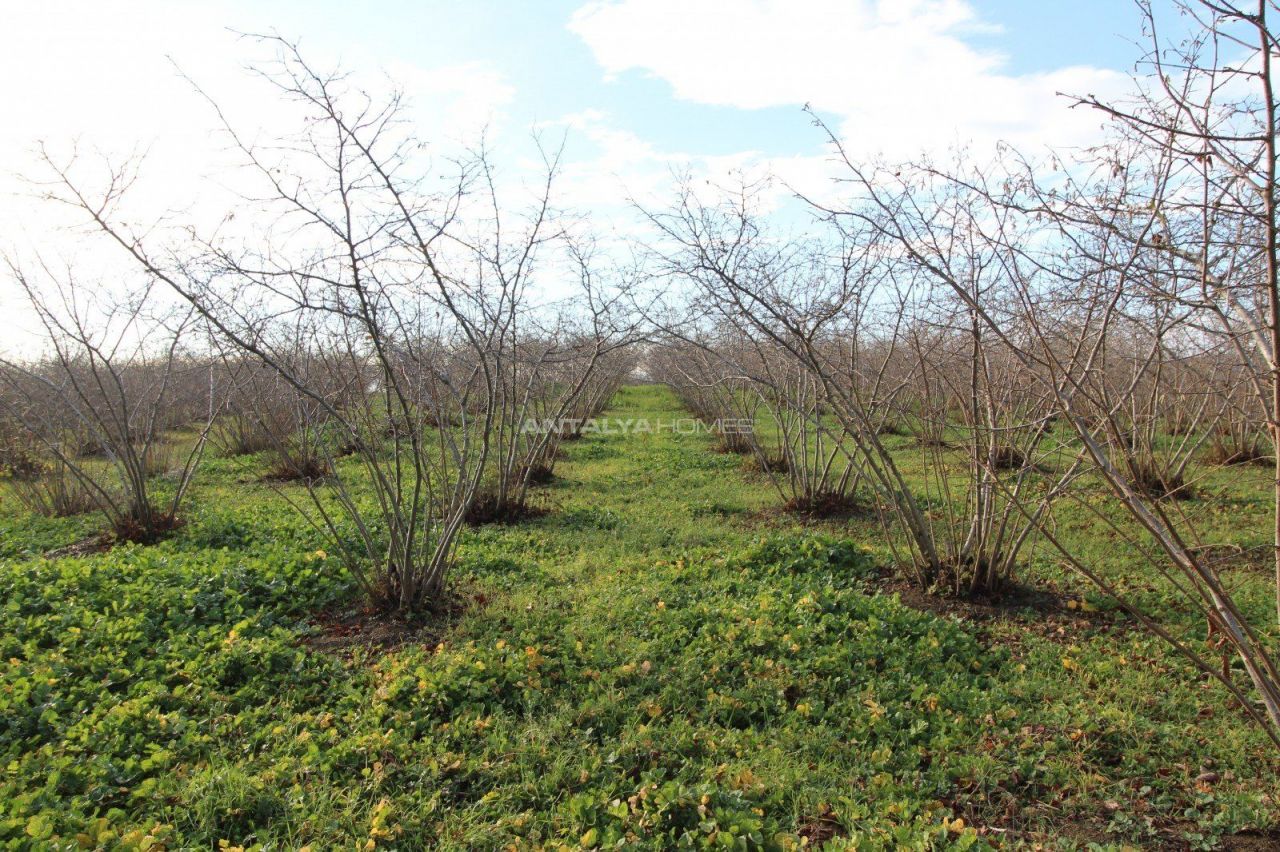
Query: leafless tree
point(1141, 255)
point(99, 402)
point(843, 314)
point(370, 304)
point(765, 405)
point(546, 367)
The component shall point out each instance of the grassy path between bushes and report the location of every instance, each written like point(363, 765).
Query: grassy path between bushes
point(656, 661)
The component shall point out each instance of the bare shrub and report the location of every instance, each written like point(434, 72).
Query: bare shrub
point(1150, 255)
point(54, 492)
point(20, 456)
point(366, 305)
point(99, 402)
point(836, 346)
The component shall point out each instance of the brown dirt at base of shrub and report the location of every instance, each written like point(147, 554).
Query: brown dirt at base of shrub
point(1057, 616)
point(1233, 557)
point(308, 471)
point(829, 505)
point(485, 509)
point(350, 448)
point(1008, 458)
point(128, 530)
point(1225, 457)
point(370, 629)
point(1252, 841)
point(731, 443)
point(776, 464)
point(344, 631)
point(133, 530)
point(541, 474)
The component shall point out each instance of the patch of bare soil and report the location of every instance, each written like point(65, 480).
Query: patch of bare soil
point(338, 632)
point(97, 543)
point(821, 828)
point(1057, 616)
point(776, 464)
point(305, 472)
point(486, 509)
point(1253, 454)
point(1008, 458)
point(1158, 484)
point(541, 474)
point(1042, 824)
point(159, 527)
point(343, 631)
point(731, 443)
point(827, 506)
point(1230, 556)
point(1253, 841)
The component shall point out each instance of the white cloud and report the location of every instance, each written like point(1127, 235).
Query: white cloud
point(460, 100)
point(899, 74)
point(608, 168)
point(101, 72)
point(98, 75)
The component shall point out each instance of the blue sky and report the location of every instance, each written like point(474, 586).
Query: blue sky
point(621, 72)
point(640, 87)
point(555, 72)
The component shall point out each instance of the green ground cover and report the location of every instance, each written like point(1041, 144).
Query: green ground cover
point(660, 660)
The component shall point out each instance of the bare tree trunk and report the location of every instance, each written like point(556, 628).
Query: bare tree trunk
point(1272, 258)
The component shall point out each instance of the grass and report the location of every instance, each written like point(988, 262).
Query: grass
point(655, 661)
